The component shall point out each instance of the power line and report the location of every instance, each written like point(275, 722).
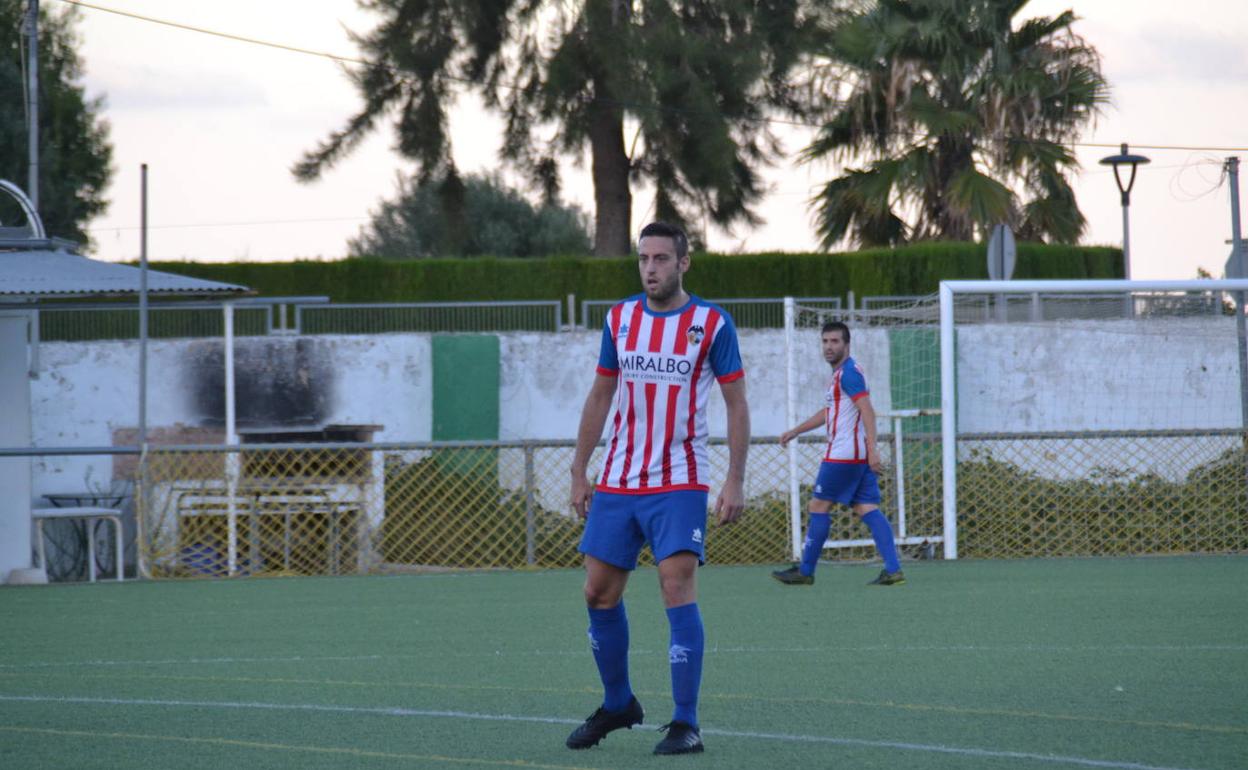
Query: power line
point(351, 60)
point(1175, 147)
point(217, 33)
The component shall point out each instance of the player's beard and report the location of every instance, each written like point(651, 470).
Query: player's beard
point(837, 360)
point(665, 291)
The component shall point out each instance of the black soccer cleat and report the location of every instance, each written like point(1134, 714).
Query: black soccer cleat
point(681, 738)
point(886, 578)
point(601, 722)
point(793, 577)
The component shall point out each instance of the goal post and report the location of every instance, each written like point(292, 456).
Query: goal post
point(1093, 417)
point(1054, 418)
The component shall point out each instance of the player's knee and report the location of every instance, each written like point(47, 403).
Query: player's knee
point(677, 592)
point(602, 596)
point(676, 581)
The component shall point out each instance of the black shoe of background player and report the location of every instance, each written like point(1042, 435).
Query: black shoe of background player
point(886, 578)
point(793, 577)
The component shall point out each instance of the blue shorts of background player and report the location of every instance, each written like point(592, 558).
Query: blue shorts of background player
point(619, 525)
point(847, 484)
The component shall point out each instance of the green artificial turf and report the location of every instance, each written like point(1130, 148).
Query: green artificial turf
point(1108, 663)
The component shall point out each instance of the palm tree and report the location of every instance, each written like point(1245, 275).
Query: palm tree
point(955, 110)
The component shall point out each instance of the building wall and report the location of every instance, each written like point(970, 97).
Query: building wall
point(15, 472)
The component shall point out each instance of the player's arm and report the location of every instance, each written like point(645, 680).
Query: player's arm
point(731, 500)
point(593, 418)
point(817, 419)
point(867, 412)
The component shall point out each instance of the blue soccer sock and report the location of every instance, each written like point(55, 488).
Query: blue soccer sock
point(882, 534)
point(816, 536)
point(608, 638)
point(685, 656)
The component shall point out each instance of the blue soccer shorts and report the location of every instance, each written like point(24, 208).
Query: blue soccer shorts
point(847, 483)
point(619, 525)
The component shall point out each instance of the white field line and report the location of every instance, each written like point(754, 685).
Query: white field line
point(784, 737)
point(188, 661)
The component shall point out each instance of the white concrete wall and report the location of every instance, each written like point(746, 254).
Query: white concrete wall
point(86, 391)
point(1011, 378)
point(545, 378)
point(1108, 375)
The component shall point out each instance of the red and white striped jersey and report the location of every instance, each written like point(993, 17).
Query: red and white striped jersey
point(665, 363)
point(847, 438)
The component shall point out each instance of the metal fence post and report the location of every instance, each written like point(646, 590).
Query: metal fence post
point(1241, 326)
point(142, 508)
point(899, 463)
point(530, 534)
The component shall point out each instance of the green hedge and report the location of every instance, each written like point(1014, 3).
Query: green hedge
point(916, 269)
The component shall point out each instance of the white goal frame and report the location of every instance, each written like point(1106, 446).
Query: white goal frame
point(948, 361)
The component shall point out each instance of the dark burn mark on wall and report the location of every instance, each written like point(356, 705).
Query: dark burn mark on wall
point(277, 381)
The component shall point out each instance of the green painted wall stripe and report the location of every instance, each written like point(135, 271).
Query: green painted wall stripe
point(465, 387)
point(914, 381)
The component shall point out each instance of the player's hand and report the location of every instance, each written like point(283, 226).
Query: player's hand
point(730, 504)
point(873, 459)
point(581, 493)
point(786, 437)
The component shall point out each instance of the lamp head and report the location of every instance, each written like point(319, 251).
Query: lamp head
point(1124, 158)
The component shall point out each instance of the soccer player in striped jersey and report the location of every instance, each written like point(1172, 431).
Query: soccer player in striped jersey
point(661, 352)
point(851, 461)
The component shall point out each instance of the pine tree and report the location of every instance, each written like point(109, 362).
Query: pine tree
point(670, 92)
point(75, 156)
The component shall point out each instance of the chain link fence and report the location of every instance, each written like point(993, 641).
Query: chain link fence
point(391, 317)
point(765, 313)
point(351, 508)
point(1120, 493)
point(1110, 424)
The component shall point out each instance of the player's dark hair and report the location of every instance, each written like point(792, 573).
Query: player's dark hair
point(836, 326)
point(664, 230)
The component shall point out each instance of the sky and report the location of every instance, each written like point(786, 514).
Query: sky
point(220, 123)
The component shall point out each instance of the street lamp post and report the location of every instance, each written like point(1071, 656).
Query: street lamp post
point(1125, 159)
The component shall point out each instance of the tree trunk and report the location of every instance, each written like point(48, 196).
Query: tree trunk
point(613, 201)
point(951, 157)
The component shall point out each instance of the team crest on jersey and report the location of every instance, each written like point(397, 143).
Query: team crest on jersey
point(695, 334)
point(623, 330)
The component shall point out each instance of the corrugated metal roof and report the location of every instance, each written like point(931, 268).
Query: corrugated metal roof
point(59, 273)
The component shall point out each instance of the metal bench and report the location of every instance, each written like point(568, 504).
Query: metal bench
point(90, 514)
